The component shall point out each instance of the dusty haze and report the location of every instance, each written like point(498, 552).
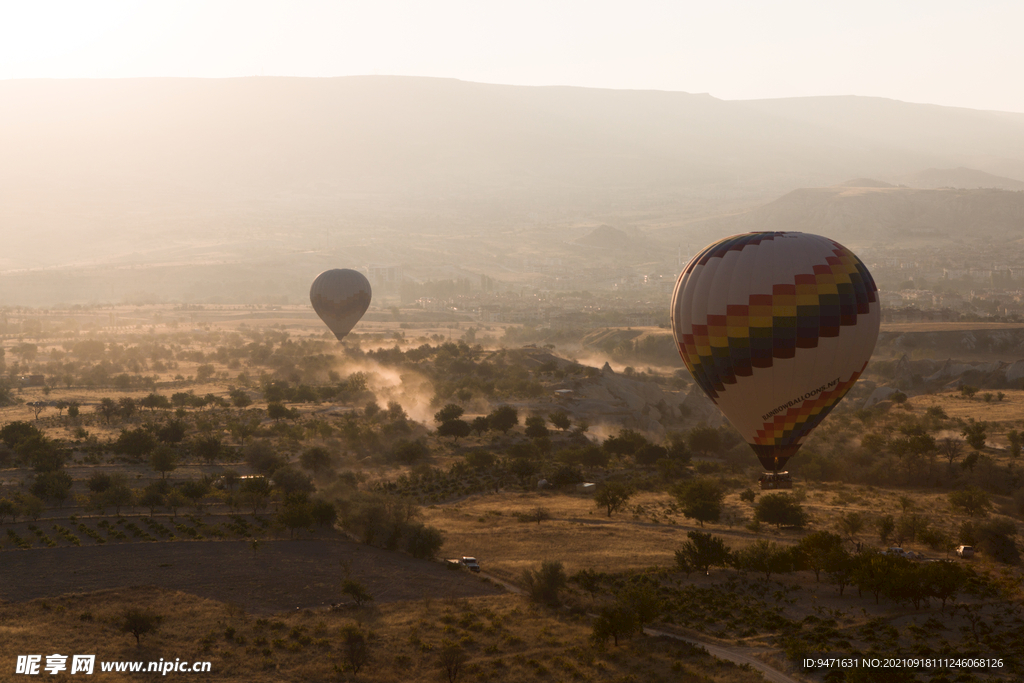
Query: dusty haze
point(241, 190)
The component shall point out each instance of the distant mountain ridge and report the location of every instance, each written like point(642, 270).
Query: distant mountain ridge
point(607, 237)
point(250, 174)
point(960, 178)
point(861, 215)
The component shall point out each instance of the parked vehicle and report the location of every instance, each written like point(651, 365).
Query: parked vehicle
point(469, 563)
point(964, 551)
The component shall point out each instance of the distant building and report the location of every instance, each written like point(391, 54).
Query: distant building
point(384, 278)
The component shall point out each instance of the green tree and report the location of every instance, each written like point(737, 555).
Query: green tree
point(626, 443)
point(700, 499)
point(8, 508)
point(139, 622)
point(765, 557)
point(944, 580)
point(975, 433)
point(814, 550)
point(172, 432)
point(642, 599)
point(356, 591)
point(316, 459)
point(970, 501)
point(448, 413)
point(420, 540)
point(560, 419)
point(262, 457)
point(850, 524)
point(651, 454)
point(135, 443)
point(396, 412)
point(107, 408)
point(253, 493)
point(355, 648)
point(780, 509)
point(151, 498)
point(30, 506)
point(536, 427)
point(1015, 440)
point(297, 514)
point(44, 455)
point(410, 452)
point(278, 411)
point(614, 621)
point(54, 485)
point(176, 499)
point(164, 459)
point(703, 551)
point(839, 566)
point(324, 513)
point(544, 584)
point(480, 460)
point(13, 433)
point(480, 424)
point(155, 401)
point(195, 490)
point(613, 496)
point(240, 398)
point(704, 439)
point(456, 429)
point(127, 407)
point(290, 481)
point(452, 658)
point(119, 495)
point(588, 580)
point(207, 448)
point(886, 525)
point(503, 418)
point(871, 573)
point(995, 539)
point(99, 482)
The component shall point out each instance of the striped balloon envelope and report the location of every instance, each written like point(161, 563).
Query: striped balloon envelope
point(775, 327)
point(340, 297)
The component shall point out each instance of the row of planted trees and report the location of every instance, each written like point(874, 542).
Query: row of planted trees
point(897, 578)
point(625, 604)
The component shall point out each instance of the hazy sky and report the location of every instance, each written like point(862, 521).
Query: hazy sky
point(939, 51)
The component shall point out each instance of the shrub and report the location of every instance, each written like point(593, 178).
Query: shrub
point(543, 585)
point(780, 509)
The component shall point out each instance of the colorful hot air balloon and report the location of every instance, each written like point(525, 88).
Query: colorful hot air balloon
point(340, 297)
point(775, 327)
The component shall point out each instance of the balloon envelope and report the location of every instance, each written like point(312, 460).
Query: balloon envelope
point(340, 297)
point(775, 327)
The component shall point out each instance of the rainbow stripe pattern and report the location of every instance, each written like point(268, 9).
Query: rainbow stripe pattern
point(794, 316)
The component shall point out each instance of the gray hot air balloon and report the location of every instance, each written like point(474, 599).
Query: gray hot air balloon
point(340, 297)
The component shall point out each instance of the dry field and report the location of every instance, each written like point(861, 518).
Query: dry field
point(582, 536)
point(502, 638)
point(1009, 411)
point(947, 327)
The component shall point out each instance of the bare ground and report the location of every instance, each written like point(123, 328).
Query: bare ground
point(281, 575)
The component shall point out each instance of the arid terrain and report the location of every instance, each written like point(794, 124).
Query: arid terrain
point(244, 459)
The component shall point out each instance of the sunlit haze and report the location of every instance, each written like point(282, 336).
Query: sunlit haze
point(947, 53)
